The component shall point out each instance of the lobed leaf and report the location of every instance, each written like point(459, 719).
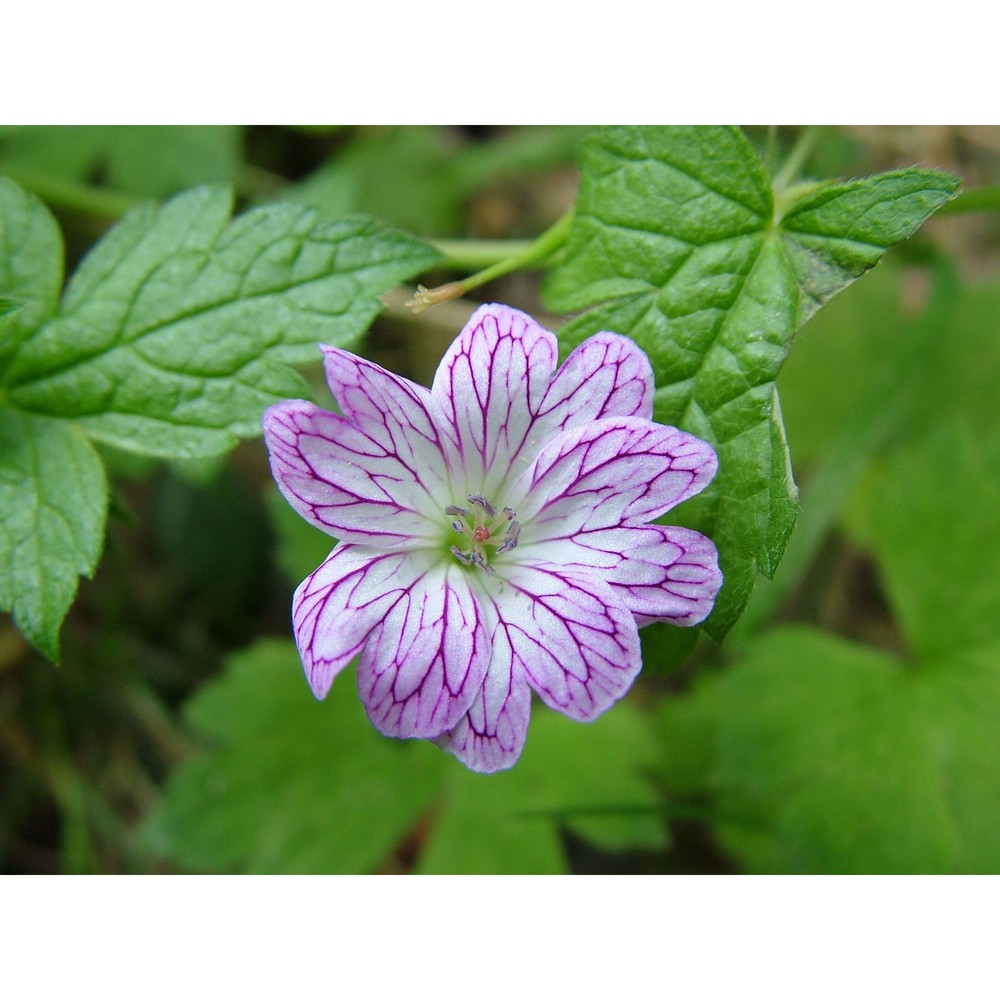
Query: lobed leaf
point(286, 784)
point(678, 243)
point(937, 540)
point(823, 756)
point(586, 776)
point(174, 332)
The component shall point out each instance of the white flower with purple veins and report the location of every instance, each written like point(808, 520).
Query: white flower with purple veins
point(494, 533)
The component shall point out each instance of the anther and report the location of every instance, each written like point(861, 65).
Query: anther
point(479, 561)
point(462, 557)
point(480, 501)
point(509, 513)
point(457, 525)
point(453, 510)
point(510, 540)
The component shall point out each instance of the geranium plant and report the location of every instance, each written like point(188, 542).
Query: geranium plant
point(522, 515)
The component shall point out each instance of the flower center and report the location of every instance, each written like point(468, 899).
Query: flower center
point(482, 528)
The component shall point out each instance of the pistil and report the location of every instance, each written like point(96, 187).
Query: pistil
point(483, 527)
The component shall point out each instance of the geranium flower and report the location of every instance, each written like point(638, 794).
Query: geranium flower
point(494, 532)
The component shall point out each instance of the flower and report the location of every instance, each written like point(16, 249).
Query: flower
point(493, 531)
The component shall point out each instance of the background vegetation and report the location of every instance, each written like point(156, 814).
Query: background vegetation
point(848, 723)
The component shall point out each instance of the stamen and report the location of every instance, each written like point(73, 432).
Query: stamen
point(481, 530)
point(480, 501)
point(510, 541)
point(479, 561)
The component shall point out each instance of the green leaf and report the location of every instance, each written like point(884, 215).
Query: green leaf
point(65, 151)
point(156, 161)
point(402, 175)
point(827, 757)
point(173, 332)
point(854, 333)
point(54, 500)
point(835, 233)
point(678, 244)
point(851, 421)
point(586, 776)
point(937, 538)
point(31, 266)
point(153, 161)
point(821, 755)
point(289, 785)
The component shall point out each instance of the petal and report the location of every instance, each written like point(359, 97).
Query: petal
point(619, 470)
point(345, 482)
point(396, 413)
point(425, 662)
point(660, 573)
point(488, 386)
point(606, 376)
point(335, 609)
point(577, 642)
point(491, 735)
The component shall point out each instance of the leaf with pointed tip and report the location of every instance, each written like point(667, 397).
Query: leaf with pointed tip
point(175, 331)
point(172, 337)
point(678, 243)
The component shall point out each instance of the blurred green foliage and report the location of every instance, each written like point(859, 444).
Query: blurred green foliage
point(151, 161)
point(847, 725)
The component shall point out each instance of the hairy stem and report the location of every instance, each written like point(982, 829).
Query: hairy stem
point(530, 255)
point(800, 152)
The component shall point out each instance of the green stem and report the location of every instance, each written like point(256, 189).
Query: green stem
point(475, 255)
point(984, 199)
point(534, 253)
point(70, 195)
point(77, 850)
point(771, 150)
point(800, 152)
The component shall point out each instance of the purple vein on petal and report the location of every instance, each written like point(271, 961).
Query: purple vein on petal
point(342, 480)
point(618, 470)
point(491, 735)
point(427, 658)
point(488, 386)
point(660, 573)
point(335, 608)
point(577, 642)
point(394, 412)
